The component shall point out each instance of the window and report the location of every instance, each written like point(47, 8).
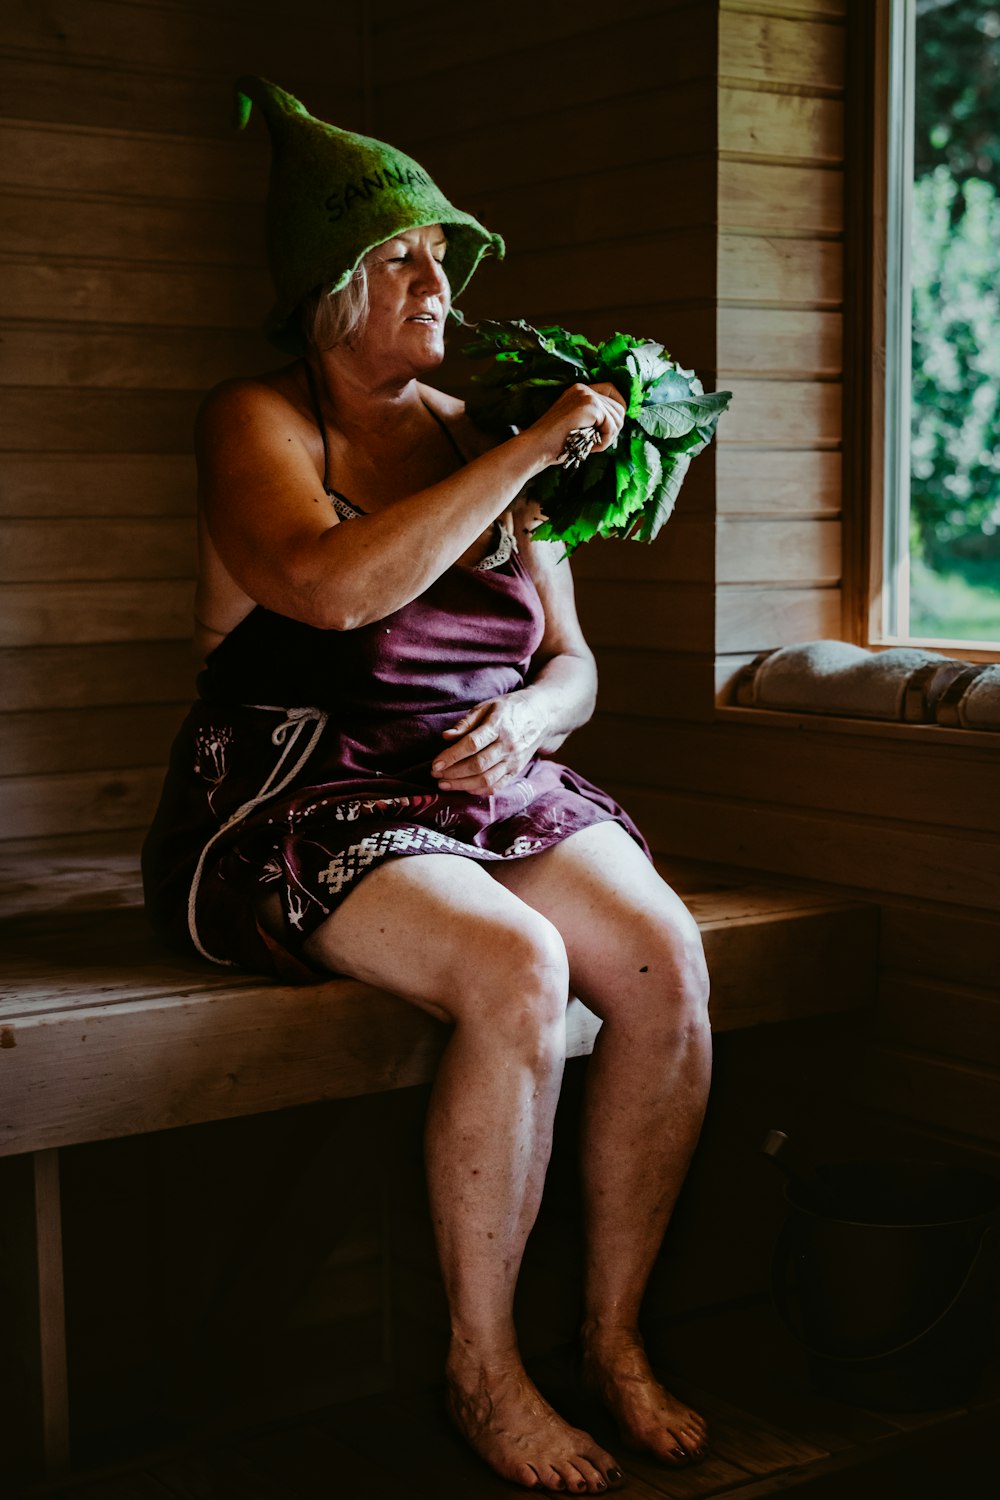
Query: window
point(940, 553)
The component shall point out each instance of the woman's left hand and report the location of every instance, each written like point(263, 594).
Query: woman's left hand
point(492, 744)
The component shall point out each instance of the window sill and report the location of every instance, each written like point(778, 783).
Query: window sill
point(857, 728)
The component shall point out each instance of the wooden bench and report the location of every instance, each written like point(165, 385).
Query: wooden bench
point(103, 1034)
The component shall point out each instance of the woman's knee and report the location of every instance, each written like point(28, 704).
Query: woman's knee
point(673, 971)
point(516, 981)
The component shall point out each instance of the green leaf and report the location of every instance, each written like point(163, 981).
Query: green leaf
point(660, 505)
point(672, 419)
point(630, 489)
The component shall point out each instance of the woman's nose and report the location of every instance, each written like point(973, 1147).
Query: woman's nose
point(429, 274)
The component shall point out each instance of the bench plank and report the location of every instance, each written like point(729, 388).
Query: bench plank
point(103, 1033)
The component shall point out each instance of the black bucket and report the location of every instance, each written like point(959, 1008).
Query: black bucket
point(883, 1272)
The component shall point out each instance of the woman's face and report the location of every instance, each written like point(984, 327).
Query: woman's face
point(408, 302)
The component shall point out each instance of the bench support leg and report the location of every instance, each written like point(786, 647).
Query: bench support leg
point(50, 1373)
point(35, 1262)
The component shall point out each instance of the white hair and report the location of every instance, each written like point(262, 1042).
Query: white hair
point(331, 318)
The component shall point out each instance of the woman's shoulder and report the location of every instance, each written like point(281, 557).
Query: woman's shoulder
point(273, 396)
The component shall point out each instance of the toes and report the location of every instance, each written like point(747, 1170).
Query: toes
point(593, 1479)
point(573, 1481)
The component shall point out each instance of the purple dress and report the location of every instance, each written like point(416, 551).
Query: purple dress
point(306, 763)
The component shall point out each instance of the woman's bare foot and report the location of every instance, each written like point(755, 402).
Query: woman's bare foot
point(616, 1369)
point(509, 1423)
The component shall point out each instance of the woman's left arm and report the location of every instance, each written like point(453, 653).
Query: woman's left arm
point(495, 740)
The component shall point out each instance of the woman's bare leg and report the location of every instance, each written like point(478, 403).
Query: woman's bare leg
point(437, 931)
point(636, 959)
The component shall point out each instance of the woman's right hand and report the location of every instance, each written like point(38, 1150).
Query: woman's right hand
point(583, 406)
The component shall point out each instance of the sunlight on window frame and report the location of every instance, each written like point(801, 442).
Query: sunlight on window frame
point(898, 323)
point(891, 622)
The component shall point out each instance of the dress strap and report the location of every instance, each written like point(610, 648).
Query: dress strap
point(446, 430)
point(310, 377)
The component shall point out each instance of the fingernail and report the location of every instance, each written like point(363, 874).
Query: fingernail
point(444, 786)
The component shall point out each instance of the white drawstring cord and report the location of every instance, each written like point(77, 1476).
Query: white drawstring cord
point(295, 721)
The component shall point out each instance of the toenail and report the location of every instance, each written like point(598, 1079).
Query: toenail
point(680, 1453)
point(614, 1474)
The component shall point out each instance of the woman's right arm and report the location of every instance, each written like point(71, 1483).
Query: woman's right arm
point(272, 524)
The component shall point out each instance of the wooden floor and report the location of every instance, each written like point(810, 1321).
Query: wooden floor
point(770, 1434)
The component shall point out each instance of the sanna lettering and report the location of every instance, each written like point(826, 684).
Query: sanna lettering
point(344, 199)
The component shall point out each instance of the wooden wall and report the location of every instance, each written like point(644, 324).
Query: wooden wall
point(589, 142)
point(133, 279)
point(904, 815)
point(676, 171)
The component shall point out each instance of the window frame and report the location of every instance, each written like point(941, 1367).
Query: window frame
point(867, 330)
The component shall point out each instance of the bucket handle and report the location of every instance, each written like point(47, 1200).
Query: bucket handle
point(779, 1267)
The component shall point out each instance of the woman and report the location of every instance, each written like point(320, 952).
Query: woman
point(365, 787)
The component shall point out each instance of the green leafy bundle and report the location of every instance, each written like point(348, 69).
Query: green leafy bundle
point(629, 490)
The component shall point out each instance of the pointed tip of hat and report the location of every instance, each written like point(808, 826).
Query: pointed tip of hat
point(274, 102)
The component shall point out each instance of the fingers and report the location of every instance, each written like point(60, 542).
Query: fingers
point(472, 742)
point(481, 773)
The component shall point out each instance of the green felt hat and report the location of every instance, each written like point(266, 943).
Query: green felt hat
point(334, 196)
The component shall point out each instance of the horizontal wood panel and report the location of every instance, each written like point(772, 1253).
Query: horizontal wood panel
point(767, 269)
point(42, 677)
point(539, 284)
point(615, 613)
point(755, 619)
point(415, 108)
point(35, 614)
point(511, 150)
point(123, 163)
point(773, 50)
point(97, 484)
point(949, 1020)
point(180, 233)
point(34, 744)
point(37, 551)
point(935, 942)
point(87, 91)
point(775, 483)
point(683, 552)
point(171, 297)
point(459, 44)
point(654, 684)
point(777, 413)
point(784, 552)
point(814, 8)
point(905, 783)
point(950, 1096)
point(793, 126)
point(772, 341)
point(87, 801)
point(44, 420)
point(177, 39)
point(762, 196)
point(40, 354)
point(871, 855)
point(662, 195)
